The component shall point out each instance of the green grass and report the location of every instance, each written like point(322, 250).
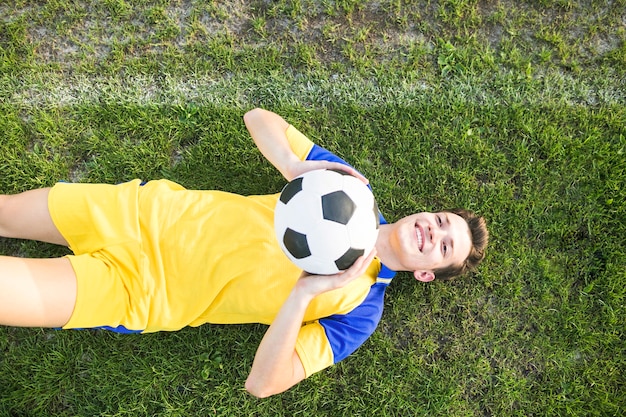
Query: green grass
point(514, 109)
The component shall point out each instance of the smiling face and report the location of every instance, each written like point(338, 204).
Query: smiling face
point(424, 242)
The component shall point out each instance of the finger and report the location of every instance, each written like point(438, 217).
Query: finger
point(367, 260)
point(360, 265)
point(342, 278)
point(349, 170)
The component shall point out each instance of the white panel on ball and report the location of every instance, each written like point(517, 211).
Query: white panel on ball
point(326, 240)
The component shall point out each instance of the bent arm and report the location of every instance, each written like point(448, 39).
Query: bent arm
point(268, 130)
point(277, 366)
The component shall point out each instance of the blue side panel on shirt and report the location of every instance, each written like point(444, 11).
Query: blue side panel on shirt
point(346, 332)
point(318, 153)
point(386, 272)
point(118, 329)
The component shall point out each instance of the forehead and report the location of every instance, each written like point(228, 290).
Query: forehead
point(461, 237)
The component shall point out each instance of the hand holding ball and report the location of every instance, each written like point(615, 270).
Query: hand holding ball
point(324, 220)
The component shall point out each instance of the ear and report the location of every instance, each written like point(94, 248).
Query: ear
point(424, 276)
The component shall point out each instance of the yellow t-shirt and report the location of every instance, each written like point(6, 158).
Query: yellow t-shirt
point(156, 256)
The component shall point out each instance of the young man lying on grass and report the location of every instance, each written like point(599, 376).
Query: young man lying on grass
point(154, 256)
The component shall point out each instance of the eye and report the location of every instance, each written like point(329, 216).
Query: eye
point(445, 249)
point(439, 221)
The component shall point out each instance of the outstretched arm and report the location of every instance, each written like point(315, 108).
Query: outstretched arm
point(268, 132)
point(277, 366)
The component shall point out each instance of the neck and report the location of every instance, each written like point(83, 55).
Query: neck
point(384, 248)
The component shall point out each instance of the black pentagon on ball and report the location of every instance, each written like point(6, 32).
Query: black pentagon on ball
point(347, 259)
point(290, 190)
point(337, 207)
point(296, 243)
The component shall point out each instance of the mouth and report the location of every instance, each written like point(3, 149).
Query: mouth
point(420, 237)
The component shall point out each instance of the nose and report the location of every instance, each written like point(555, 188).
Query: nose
point(434, 233)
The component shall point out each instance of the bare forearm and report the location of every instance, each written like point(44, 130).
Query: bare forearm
point(276, 366)
point(268, 132)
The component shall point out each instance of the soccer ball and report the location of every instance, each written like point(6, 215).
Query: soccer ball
point(325, 220)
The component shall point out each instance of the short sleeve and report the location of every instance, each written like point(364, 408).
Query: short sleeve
point(313, 348)
point(305, 149)
point(347, 332)
point(333, 338)
point(300, 144)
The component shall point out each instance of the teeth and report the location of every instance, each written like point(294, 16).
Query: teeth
point(419, 238)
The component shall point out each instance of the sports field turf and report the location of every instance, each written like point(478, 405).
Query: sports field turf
point(514, 109)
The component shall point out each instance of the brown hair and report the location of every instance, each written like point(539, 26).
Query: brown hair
point(479, 236)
